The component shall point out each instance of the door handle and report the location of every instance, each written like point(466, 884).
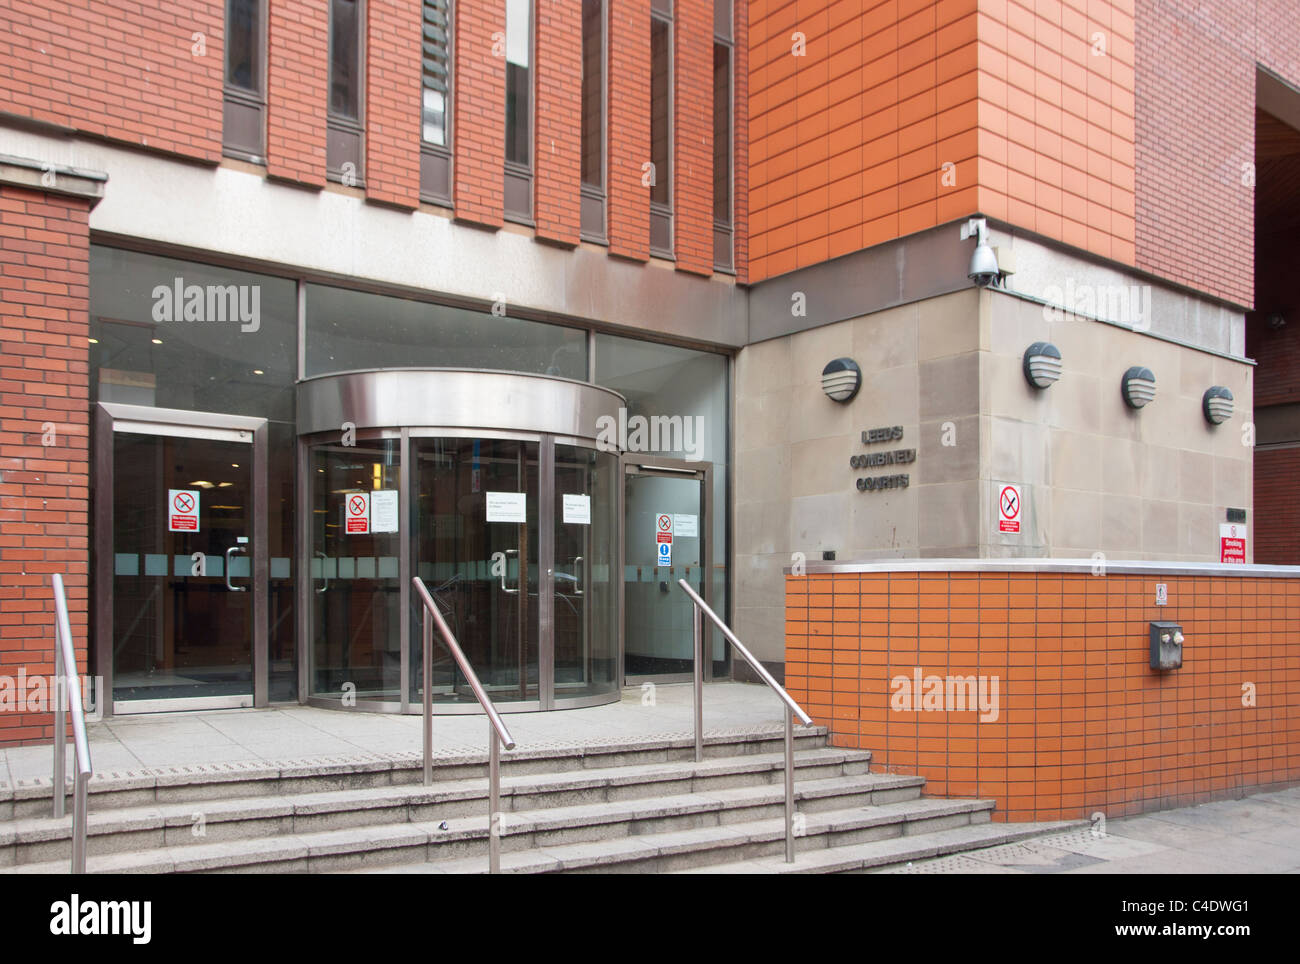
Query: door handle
point(229, 585)
point(324, 559)
point(515, 591)
point(577, 580)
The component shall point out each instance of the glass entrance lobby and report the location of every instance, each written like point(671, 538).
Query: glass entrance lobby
point(513, 529)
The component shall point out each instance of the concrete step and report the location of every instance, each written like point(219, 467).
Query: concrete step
point(880, 855)
point(226, 781)
point(118, 830)
point(704, 848)
point(728, 824)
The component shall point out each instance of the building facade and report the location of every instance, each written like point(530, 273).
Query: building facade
point(304, 299)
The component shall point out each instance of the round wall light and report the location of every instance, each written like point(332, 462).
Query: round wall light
point(1042, 364)
point(1216, 404)
point(1139, 386)
point(841, 379)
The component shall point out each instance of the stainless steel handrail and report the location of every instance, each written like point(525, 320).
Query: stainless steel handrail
point(67, 686)
point(792, 709)
point(498, 735)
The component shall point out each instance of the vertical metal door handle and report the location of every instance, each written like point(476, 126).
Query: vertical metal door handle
point(229, 585)
point(577, 580)
point(515, 591)
point(324, 559)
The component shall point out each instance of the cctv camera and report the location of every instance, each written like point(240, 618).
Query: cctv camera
point(983, 262)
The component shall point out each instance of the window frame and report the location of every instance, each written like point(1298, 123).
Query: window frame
point(236, 99)
point(724, 232)
point(522, 174)
point(436, 156)
point(593, 200)
point(663, 11)
point(340, 129)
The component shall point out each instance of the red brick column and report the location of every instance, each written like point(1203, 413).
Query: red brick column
point(393, 52)
point(740, 136)
point(297, 90)
point(693, 135)
point(480, 115)
point(44, 424)
point(629, 128)
point(559, 119)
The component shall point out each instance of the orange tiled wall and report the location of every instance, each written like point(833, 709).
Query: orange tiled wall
point(849, 141)
point(1084, 725)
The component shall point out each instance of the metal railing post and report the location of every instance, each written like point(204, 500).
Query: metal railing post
point(79, 824)
point(494, 801)
point(428, 699)
point(698, 622)
point(789, 786)
point(60, 727)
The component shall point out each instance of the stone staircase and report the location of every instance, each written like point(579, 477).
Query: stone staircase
point(637, 806)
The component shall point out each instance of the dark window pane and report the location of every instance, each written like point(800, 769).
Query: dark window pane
point(722, 133)
point(436, 69)
point(593, 101)
point(660, 116)
point(518, 80)
point(345, 80)
point(243, 44)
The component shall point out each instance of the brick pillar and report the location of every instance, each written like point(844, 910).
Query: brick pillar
point(393, 92)
point(628, 129)
point(693, 136)
point(297, 90)
point(480, 115)
point(44, 457)
point(559, 119)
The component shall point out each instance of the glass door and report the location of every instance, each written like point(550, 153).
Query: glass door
point(665, 538)
point(181, 579)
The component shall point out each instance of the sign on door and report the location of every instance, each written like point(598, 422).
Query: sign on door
point(182, 510)
point(357, 513)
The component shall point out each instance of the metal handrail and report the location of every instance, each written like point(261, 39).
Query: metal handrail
point(498, 735)
point(792, 709)
point(65, 656)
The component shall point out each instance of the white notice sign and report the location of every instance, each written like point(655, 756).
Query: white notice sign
point(507, 507)
point(577, 509)
point(383, 510)
point(686, 525)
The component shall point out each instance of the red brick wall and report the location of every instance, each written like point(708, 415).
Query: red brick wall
point(479, 112)
point(1195, 131)
point(297, 90)
point(1083, 724)
point(693, 135)
point(124, 71)
point(393, 95)
point(740, 161)
point(1277, 536)
point(44, 385)
point(559, 119)
point(628, 129)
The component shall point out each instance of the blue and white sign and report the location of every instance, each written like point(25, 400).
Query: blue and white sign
point(665, 554)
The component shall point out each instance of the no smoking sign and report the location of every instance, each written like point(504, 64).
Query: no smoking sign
point(358, 513)
point(1009, 508)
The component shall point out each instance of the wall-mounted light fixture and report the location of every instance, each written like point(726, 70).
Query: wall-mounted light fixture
point(1138, 387)
point(1216, 404)
point(983, 262)
point(841, 379)
point(1042, 365)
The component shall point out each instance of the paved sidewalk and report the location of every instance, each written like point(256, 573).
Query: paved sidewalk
point(296, 733)
point(1259, 834)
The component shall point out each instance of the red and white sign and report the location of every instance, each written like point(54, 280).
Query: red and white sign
point(182, 510)
point(664, 523)
point(1232, 543)
point(357, 513)
point(1009, 509)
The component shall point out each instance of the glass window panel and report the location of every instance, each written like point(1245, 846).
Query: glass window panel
point(518, 99)
point(349, 330)
point(434, 129)
point(593, 99)
point(344, 58)
point(436, 66)
point(243, 44)
point(660, 114)
point(722, 133)
point(227, 343)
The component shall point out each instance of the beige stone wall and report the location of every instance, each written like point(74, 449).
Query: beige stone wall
point(1094, 476)
point(1097, 476)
